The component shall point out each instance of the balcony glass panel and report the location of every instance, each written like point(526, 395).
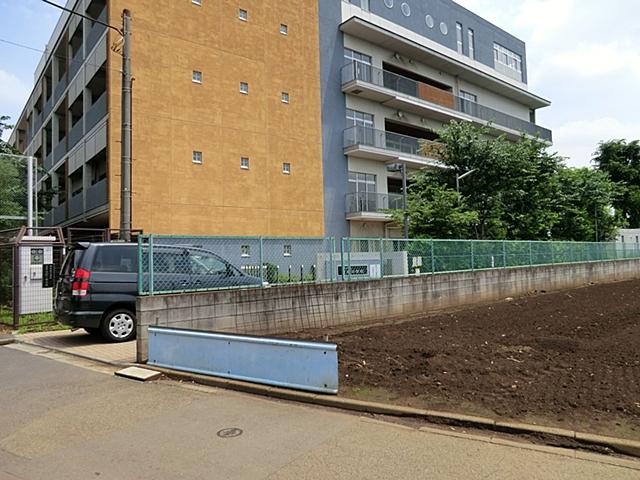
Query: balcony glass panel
point(48, 161)
point(373, 202)
point(76, 134)
point(59, 214)
point(97, 195)
point(60, 88)
point(76, 63)
point(97, 111)
point(97, 30)
point(60, 150)
point(407, 86)
point(75, 205)
point(395, 142)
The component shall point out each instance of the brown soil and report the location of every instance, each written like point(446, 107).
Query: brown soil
point(569, 359)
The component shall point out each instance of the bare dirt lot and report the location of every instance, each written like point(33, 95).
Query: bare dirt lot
point(568, 359)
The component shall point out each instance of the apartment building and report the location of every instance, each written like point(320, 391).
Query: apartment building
point(263, 117)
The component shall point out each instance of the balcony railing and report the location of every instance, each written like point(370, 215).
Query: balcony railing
point(97, 30)
point(76, 63)
point(48, 161)
point(395, 142)
point(48, 106)
point(75, 205)
point(76, 134)
point(59, 214)
point(97, 195)
point(60, 150)
point(407, 86)
point(97, 111)
point(60, 88)
point(361, 202)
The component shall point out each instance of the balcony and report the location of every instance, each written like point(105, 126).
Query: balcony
point(97, 195)
point(390, 147)
point(48, 106)
point(97, 30)
point(404, 93)
point(59, 89)
point(372, 207)
point(76, 134)
point(76, 63)
point(59, 214)
point(60, 150)
point(97, 111)
point(48, 162)
point(76, 206)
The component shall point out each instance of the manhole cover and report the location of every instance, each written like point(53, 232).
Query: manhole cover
point(229, 432)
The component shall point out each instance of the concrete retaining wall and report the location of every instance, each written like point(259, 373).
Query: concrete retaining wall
point(269, 311)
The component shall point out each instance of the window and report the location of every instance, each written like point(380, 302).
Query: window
point(196, 76)
point(286, 168)
point(285, 97)
point(362, 182)
point(243, 15)
point(468, 103)
point(507, 62)
point(244, 163)
point(206, 264)
point(287, 250)
point(459, 38)
point(361, 64)
point(359, 119)
point(363, 4)
point(443, 28)
point(244, 88)
point(245, 250)
point(116, 259)
point(472, 44)
point(196, 2)
point(284, 30)
point(429, 21)
point(197, 157)
point(406, 9)
point(388, 3)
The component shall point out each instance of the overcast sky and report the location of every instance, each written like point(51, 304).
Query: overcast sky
point(583, 55)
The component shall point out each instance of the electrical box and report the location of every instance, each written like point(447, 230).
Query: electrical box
point(36, 274)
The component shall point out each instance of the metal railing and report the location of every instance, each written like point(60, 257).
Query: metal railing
point(396, 142)
point(172, 264)
point(413, 88)
point(372, 202)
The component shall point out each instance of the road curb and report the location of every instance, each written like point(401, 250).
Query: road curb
point(7, 340)
point(559, 435)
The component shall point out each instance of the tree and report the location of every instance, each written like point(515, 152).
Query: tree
point(621, 161)
point(518, 191)
point(585, 200)
point(13, 173)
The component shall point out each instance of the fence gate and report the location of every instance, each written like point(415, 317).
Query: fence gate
point(30, 260)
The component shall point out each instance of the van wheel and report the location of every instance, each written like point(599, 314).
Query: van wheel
point(119, 326)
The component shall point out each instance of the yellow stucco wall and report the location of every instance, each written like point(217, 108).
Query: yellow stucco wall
point(172, 116)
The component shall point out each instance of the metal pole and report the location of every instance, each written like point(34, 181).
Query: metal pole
point(30, 194)
point(405, 219)
point(125, 164)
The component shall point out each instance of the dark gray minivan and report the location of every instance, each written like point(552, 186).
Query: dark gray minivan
point(98, 283)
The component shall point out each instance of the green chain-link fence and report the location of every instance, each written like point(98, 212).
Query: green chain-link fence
point(171, 264)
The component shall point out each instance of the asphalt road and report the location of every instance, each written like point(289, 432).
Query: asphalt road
point(61, 420)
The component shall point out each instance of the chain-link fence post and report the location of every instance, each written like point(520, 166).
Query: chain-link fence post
point(381, 259)
point(140, 267)
point(433, 257)
point(261, 253)
point(151, 272)
point(472, 258)
point(504, 254)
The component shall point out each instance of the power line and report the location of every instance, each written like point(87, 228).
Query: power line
point(73, 12)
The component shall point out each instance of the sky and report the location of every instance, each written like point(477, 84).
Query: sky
point(582, 55)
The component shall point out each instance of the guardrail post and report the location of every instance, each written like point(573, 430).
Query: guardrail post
point(150, 256)
point(261, 262)
point(381, 260)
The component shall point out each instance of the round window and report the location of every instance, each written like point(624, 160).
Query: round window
point(406, 9)
point(388, 3)
point(429, 21)
point(443, 28)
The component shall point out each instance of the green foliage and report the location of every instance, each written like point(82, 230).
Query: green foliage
point(518, 190)
point(621, 161)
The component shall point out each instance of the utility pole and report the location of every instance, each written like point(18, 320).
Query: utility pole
point(125, 162)
point(405, 203)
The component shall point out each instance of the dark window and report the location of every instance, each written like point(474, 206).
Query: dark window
point(116, 259)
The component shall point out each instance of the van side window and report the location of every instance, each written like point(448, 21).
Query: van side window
point(203, 264)
point(116, 259)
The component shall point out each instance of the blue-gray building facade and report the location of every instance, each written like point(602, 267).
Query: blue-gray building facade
point(393, 73)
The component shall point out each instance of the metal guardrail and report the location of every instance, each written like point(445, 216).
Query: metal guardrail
point(413, 88)
point(373, 202)
point(295, 364)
